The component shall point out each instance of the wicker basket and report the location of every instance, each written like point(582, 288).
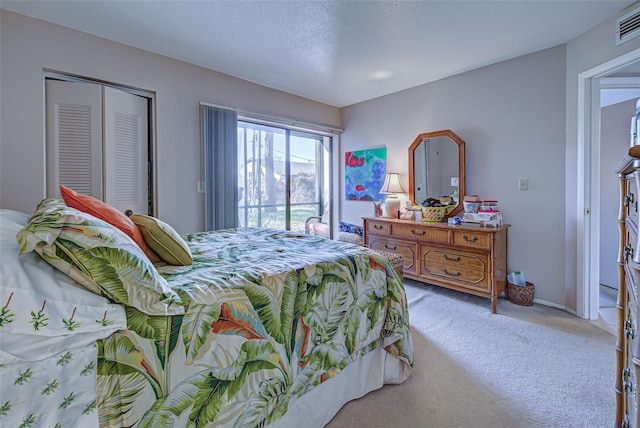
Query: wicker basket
point(395, 260)
point(520, 295)
point(434, 214)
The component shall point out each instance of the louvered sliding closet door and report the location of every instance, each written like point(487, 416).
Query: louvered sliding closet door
point(74, 137)
point(126, 151)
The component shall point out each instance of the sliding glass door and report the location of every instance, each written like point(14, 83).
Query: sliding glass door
point(283, 176)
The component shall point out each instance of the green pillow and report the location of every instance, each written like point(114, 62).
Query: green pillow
point(164, 240)
point(99, 257)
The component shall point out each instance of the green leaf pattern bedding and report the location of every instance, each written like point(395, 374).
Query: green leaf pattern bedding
point(260, 319)
point(268, 316)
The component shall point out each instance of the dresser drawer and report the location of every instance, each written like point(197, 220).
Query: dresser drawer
point(631, 258)
point(406, 249)
point(630, 200)
point(378, 227)
point(455, 259)
point(468, 259)
point(472, 239)
point(468, 278)
point(420, 232)
point(629, 374)
point(467, 270)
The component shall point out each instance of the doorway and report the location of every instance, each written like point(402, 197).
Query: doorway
point(589, 171)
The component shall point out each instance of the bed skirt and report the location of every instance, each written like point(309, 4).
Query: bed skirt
point(317, 407)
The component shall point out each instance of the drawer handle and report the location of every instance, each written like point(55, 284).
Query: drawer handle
point(390, 248)
point(629, 387)
point(457, 259)
point(628, 251)
point(422, 232)
point(378, 227)
point(475, 238)
point(628, 200)
point(449, 273)
point(629, 330)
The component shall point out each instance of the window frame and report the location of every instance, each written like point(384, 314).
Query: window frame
point(326, 138)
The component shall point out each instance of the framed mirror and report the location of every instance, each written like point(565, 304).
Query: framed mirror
point(436, 164)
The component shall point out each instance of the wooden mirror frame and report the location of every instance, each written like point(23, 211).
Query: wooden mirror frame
point(461, 165)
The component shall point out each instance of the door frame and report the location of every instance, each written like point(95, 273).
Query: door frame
point(152, 121)
point(588, 189)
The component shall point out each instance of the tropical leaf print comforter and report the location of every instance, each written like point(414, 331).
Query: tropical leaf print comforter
point(268, 316)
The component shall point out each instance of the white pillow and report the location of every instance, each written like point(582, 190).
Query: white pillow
point(31, 284)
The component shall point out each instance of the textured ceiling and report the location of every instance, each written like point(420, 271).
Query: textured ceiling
point(335, 52)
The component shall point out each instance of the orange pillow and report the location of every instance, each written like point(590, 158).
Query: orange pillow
point(109, 214)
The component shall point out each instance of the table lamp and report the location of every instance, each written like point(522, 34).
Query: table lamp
point(392, 187)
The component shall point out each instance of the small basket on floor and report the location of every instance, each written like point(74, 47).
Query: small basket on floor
point(395, 260)
point(520, 295)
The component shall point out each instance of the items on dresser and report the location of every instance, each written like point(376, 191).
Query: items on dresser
point(464, 258)
point(407, 215)
point(493, 219)
point(454, 221)
point(628, 342)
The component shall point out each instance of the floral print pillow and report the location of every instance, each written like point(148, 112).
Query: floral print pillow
point(99, 257)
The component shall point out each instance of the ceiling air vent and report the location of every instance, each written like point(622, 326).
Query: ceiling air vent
point(628, 26)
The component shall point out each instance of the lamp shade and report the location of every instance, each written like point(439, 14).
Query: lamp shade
point(392, 184)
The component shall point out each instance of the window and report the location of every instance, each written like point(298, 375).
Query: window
point(284, 176)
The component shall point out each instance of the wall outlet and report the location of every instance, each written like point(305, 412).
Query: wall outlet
point(200, 186)
point(523, 184)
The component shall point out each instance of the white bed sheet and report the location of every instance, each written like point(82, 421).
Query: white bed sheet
point(42, 311)
point(48, 332)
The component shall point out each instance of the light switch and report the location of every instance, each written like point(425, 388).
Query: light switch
point(523, 184)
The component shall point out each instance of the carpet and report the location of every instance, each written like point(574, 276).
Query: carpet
point(526, 366)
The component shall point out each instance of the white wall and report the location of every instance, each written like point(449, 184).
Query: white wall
point(591, 49)
point(28, 46)
point(614, 141)
point(511, 117)
point(519, 119)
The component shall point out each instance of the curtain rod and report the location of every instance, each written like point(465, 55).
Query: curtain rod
point(278, 120)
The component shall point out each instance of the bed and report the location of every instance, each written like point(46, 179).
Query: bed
point(261, 328)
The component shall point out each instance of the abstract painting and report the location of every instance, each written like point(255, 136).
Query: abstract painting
point(364, 172)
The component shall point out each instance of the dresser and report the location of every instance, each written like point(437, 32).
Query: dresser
point(628, 342)
point(465, 258)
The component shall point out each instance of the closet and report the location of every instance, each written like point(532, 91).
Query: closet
point(97, 143)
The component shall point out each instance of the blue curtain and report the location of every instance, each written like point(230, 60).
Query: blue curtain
point(220, 140)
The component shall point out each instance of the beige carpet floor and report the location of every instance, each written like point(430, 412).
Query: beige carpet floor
point(527, 366)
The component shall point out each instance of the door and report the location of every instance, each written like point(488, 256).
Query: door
point(74, 138)
point(98, 144)
point(125, 151)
